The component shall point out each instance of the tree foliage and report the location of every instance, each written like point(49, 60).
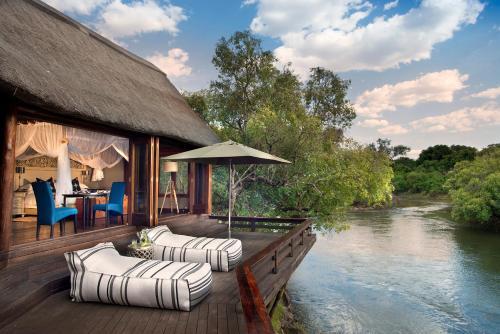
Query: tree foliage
point(428, 173)
point(267, 108)
point(325, 96)
point(474, 187)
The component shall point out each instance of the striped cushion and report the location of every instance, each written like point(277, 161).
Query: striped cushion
point(101, 274)
point(222, 254)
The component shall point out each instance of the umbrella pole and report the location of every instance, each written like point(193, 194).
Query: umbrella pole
point(230, 191)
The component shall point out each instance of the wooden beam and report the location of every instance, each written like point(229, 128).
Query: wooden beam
point(156, 179)
point(7, 165)
point(209, 189)
point(261, 219)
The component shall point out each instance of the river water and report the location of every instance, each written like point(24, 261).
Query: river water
point(400, 270)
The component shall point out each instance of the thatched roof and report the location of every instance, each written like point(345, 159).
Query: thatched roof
point(49, 60)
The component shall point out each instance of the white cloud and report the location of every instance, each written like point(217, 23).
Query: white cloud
point(328, 33)
point(391, 5)
point(393, 129)
point(78, 7)
point(414, 153)
point(280, 17)
point(119, 19)
point(491, 93)
point(431, 87)
point(249, 2)
point(373, 123)
point(84, 7)
point(174, 63)
point(463, 120)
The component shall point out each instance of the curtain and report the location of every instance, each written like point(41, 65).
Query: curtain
point(47, 139)
point(97, 150)
point(98, 162)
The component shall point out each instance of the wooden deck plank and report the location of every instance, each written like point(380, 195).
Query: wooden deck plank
point(212, 319)
point(192, 320)
point(160, 325)
point(222, 327)
point(232, 319)
point(202, 324)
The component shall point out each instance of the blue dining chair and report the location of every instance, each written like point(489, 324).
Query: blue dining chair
point(47, 213)
point(114, 206)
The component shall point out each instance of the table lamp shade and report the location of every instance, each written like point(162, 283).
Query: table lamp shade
point(170, 166)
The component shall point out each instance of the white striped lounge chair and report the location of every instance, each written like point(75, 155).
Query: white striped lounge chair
point(101, 274)
point(221, 254)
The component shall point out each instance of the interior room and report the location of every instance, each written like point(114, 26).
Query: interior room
point(85, 170)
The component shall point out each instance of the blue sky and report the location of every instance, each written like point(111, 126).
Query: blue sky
point(423, 72)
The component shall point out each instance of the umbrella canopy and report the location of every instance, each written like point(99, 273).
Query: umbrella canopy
point(228, 153)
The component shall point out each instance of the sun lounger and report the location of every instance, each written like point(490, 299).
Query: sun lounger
point(101, 274)
point(221, 254)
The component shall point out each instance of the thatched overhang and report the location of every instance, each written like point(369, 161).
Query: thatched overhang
point(50, 61)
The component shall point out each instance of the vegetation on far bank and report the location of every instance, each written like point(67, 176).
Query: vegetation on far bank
point(471, 178)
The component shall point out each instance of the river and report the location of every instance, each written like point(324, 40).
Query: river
point(401, 270)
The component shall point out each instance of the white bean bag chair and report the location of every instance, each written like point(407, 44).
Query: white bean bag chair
point(101, 274)
point(221, 254)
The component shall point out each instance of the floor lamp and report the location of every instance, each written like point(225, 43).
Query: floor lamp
point(170, 167)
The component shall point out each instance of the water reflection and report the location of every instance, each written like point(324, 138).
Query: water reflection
point(400, 270)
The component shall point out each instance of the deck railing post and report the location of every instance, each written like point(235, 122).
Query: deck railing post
point(291, 248)
point(253, 224)
point(275, 259)
point(302, 238)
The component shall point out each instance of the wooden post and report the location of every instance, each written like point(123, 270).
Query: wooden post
point(191, 186)
point(7, 165)
point(155, 162)
point(275, 259)
point(209, 189)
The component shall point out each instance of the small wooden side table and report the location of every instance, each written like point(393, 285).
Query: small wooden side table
point(141, 252)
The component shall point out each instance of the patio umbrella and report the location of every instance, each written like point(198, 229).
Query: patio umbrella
point(227, 153)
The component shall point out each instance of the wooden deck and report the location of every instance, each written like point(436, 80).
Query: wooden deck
point(220, 312)
point(35, 294)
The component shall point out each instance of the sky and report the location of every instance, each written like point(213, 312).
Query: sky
point(422, 72)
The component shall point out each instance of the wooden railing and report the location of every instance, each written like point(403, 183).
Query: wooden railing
point(261, 277)
point(261, 222)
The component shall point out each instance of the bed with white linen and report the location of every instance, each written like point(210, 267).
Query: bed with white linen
point(221, 254)
point(101, 274)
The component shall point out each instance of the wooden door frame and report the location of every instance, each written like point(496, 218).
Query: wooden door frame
point(7, 167)
point(152, 169)
point(205, 204)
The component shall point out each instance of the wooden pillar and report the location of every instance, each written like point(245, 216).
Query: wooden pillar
point(7, 166)
point(191, 186)
point(155, 162)
point(209, 189)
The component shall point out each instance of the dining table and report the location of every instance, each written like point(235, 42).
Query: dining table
point(86, 196)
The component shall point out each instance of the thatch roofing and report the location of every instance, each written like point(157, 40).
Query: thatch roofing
point(49, 60)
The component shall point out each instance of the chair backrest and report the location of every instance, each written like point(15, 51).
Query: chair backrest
point(117, 193)
point(44, 202)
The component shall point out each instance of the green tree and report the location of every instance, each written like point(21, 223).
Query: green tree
point(259, 105)
point(474, 187)
point(245, 75)
point(428, 173)
point(325, 95)
point(197, 102)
